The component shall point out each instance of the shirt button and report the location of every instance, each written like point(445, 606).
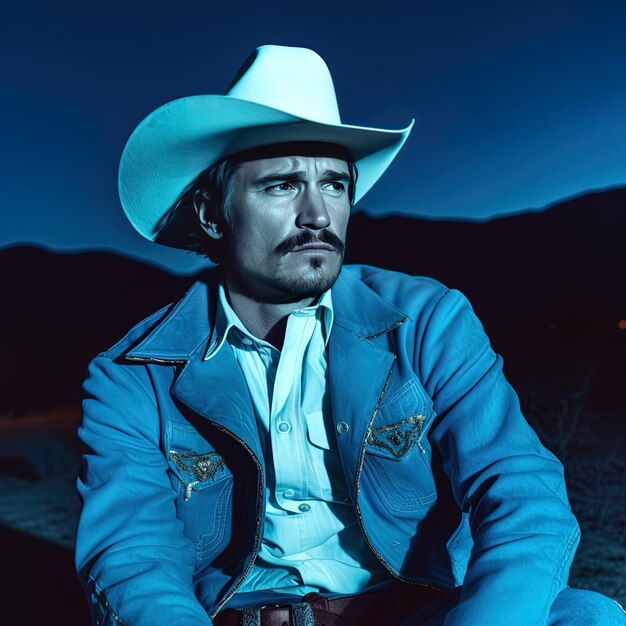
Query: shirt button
point(304, 508)
point(284, 427)
point(289, 493)
point(342, 428)
point(246, 341)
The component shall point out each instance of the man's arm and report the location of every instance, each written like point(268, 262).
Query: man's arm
point(512, 487)
point(131, 555)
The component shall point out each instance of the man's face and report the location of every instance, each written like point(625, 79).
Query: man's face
point(287, 220)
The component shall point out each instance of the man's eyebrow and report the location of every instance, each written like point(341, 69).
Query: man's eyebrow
point(274, 177)
point(335, 175)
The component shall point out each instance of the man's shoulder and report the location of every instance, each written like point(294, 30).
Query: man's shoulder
point(397, 288)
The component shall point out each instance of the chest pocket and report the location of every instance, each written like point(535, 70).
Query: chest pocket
point(203, 485)
point(397, 451)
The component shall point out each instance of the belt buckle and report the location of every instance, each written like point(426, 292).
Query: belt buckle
point(261, 621)
point(297, 614)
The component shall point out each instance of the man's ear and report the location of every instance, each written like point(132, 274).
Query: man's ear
point(201, 203)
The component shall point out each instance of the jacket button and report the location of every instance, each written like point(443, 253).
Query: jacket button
point(342, 428)
point(304, 508)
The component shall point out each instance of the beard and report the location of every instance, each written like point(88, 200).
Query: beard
point(309, 279)
point(319, 277)
point(321, 273)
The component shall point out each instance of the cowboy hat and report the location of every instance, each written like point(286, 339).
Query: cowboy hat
point(281, 94)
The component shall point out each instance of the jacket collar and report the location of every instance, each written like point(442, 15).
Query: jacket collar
point(186, 329)
point(359, 309)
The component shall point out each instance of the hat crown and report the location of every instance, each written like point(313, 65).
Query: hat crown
point(293, 80)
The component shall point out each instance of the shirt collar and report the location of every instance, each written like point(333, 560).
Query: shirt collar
point(226, 319)
point(180, 332)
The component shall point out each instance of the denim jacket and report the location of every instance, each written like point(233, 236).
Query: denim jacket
point(450, 484)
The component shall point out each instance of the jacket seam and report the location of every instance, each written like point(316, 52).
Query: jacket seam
point(102, 598)
point(425, 333)
point(560, 564)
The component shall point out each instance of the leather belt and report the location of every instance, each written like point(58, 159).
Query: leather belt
point(390, 606)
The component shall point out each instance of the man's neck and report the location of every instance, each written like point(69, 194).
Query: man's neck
point(265, 320)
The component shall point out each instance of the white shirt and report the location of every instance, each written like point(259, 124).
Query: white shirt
point(311, 539)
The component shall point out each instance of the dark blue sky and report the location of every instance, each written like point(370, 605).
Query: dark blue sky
point(517, 104)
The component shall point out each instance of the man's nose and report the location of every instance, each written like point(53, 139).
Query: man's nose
point(312, 211)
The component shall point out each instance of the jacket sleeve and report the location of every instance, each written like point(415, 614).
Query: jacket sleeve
point(132, 558)
point(511, 487)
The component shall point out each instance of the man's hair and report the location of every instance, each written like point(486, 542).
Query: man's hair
point(215, 186)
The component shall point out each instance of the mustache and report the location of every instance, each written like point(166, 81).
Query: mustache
point(306, 237)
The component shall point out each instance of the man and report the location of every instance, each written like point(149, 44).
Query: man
point(293, 442)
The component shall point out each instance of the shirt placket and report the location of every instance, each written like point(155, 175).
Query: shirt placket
point(287, 425)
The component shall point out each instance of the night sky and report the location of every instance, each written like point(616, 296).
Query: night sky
point(517, 104)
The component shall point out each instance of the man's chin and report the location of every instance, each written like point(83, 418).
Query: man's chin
point(312, 281)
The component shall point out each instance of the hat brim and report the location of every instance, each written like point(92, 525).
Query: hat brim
point(175, 143)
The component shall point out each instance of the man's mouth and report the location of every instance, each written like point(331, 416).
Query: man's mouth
point(317, 245)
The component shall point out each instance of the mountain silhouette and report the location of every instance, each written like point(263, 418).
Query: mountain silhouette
point(549, 287)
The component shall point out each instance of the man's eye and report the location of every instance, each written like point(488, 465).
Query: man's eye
point(281, 187)
point(335, 186)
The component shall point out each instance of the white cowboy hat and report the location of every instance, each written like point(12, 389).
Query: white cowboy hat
point(281, 94)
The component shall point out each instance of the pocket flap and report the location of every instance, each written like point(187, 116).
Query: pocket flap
point(197, 468)
point(397, 438)
point(191, 458)
point(401, 423)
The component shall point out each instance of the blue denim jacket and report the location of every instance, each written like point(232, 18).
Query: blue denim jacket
point(450, 484)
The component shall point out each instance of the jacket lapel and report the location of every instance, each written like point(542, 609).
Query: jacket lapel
point(360, 363)
point(214, 389)
point(358, 372)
